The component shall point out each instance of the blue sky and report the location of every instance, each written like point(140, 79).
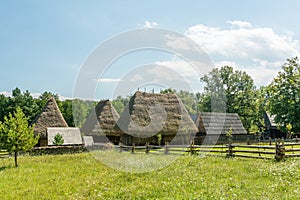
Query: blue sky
point(44, 43)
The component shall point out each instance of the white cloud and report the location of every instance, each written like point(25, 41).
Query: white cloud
point(137, 78)
point(254, 43)
point(5, 93)
point(178, 43)
point(107, 80)
point(240, 24)
point(258, 50)
point(180, 66)
point(148, 24)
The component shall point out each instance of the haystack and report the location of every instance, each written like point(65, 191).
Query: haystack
point(49, 117)
point(101, 122)
point(218, 124)
point(155, 118)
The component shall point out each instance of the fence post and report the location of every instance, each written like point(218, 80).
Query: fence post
point(120, 147)
point(192, 147)
point(280, 151)
point(248, 141)
point(133, 148)
point(147, 147)
point(270, 141)
point(230, 152)
point(166, 147)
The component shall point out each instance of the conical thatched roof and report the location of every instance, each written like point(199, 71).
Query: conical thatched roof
point(101, 120)
point(149, 114)
point(219, 123)
point(49, 117)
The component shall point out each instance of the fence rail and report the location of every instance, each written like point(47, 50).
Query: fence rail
point(3, 154)
point(279, 150)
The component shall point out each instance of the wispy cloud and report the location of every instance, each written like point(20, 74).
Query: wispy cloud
point(240, 24)
point(108, 80)
point(149, 24)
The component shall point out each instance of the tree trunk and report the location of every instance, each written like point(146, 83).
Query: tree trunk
point(16, 159)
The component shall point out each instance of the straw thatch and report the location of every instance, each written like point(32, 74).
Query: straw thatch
point(148, 115)
point(101, 122)
point(71, 136)
point(219, 123)
point(49, 117)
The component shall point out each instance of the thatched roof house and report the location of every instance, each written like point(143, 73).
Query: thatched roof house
point(101, 122)
point(49, 117)
point(212, 125)
point(71, 136)
point(155, 118)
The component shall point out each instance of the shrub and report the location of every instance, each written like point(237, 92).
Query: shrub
point(58, 139)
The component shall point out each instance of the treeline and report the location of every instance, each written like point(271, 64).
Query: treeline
point(32, 107)
point(233, 91)
point(226, 90)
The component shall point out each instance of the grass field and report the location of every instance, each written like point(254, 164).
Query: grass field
point(81, 176)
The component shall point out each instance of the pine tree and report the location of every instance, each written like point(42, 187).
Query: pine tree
point(16, 135)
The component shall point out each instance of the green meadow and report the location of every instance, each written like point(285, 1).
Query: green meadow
point(81, 176)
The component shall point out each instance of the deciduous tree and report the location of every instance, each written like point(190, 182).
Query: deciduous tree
point(230, 91)
point(284, 92)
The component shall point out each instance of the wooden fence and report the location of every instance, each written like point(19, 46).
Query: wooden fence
point(279, 150)
point(3, 154)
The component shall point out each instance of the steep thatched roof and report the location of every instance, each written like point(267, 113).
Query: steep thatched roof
point(71, 136)
point(214, 123)
point(49, 117)
point(149, 114)
point(101, 120)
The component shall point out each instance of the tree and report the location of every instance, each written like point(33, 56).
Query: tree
point(284, 96)
point(67, 112)
point(25, 101)
point(16, 135)
point(189, 101)
point(168, 91)
point(230, 91)
point(120, 103)
point(3, 106)
point(81, 109)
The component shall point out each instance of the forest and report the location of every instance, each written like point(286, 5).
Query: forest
point(233, 90)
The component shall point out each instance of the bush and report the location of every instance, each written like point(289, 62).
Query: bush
point(58, 139)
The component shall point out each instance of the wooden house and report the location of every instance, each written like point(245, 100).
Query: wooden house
point(155, 119)
point(213, 126)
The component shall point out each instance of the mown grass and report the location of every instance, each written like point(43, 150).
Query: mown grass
point(81, 176)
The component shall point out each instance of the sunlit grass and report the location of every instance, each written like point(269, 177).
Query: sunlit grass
point(81, 176)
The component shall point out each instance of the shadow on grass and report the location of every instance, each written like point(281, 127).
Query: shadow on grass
point(2, 168)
